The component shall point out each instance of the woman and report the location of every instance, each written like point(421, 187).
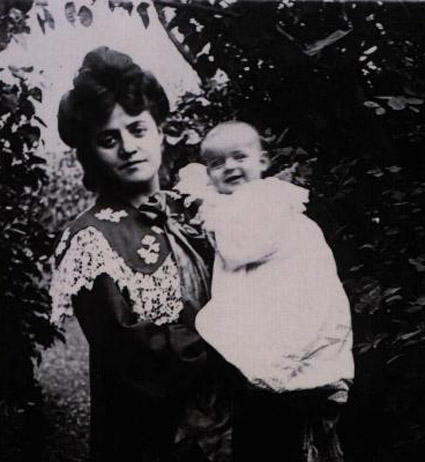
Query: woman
point(133, 270)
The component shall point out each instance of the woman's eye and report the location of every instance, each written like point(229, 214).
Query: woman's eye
point(138, 131)
point(107, 141)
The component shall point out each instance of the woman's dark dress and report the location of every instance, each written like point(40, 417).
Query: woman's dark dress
point(136, 279)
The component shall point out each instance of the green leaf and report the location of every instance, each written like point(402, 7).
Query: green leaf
point(21, 71)
point(409, 335)
point(36, 94)
point(70, 12)
point(41, 22)
point(125, 4)
point(205, 66)
point(319, 45)
point(142, 11)
point(420, 301)
point(9, 100)
point(86, 16)
point(418, 263)
point(48, 18)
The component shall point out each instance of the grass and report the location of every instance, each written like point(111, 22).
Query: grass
point(63, 376)
point(58, 431)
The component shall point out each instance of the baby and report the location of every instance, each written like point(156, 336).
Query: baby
point(278, 311)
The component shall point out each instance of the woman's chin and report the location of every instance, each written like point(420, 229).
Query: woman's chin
point(139, 184)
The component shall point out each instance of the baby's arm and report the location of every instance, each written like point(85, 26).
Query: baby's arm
point(241, 240)
point(247, 228)
point(253, 223)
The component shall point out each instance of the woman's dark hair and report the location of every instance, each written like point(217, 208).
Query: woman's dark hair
point(106, 78)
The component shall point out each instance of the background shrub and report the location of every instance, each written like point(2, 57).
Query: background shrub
point(337, 91)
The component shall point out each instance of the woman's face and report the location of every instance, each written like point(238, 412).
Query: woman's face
point(128, 150)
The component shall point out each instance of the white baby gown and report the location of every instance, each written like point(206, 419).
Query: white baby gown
point(278, 311)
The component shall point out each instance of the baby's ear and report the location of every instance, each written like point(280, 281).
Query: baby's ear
point(265, 161)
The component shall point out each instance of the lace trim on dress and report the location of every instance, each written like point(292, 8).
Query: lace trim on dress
point(155, 297)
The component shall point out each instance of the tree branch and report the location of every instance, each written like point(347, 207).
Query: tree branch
point(183, 50)
point(194, 7)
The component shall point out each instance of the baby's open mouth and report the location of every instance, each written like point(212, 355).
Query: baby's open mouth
point(233, 179)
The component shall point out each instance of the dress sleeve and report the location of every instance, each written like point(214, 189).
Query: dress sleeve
point(92, 281)
point(160, 359)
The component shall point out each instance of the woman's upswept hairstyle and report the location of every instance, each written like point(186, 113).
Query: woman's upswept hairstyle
point(106, 78)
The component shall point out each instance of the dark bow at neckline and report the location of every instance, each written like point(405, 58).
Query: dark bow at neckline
point(155, 208)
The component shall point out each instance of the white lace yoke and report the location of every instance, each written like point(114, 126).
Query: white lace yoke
point(155, 297)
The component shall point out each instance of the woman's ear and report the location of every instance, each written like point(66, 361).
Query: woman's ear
point(161, 133)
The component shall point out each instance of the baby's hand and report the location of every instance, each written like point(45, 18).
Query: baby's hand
point(193, 180)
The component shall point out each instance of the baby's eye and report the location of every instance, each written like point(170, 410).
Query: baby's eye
point(216, 163)
point(239, 156)
point(107, 141)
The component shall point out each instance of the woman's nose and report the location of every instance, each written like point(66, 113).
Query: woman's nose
point(128, 145)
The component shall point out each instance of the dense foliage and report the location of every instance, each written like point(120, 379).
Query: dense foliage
point(338, 91)
point(25, 245)
point(13, 16)
point(63, 193)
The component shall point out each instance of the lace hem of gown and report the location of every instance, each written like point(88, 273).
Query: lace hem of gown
point(155, 297)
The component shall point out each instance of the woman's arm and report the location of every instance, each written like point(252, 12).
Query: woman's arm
point(159, 359)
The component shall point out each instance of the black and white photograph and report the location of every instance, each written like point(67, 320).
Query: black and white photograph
point(212, 231)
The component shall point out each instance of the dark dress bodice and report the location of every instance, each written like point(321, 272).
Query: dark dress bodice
point(135, 280)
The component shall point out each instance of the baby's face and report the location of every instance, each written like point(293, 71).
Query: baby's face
point(233, 161)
